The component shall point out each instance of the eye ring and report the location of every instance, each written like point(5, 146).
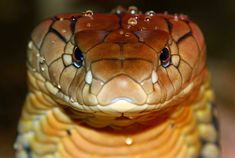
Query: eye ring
point(165, 57)
point(78, 57)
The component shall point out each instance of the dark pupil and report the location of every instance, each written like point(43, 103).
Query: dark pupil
point(164, 55)
point(78, 57)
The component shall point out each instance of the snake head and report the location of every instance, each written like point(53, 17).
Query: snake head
point(119, 64)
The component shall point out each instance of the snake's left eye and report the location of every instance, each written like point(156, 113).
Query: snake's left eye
point(165, 57)
point(77, 57)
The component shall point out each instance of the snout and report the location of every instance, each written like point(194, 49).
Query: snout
point(129, 80)
point(122, 88)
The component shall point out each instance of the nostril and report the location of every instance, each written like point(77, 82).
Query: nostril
point(88, 77)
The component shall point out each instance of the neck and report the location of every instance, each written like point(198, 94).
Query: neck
point(142, 140)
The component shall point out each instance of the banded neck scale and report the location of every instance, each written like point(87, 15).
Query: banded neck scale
point(118, 85)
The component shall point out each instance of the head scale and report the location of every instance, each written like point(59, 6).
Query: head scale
point(120, 64)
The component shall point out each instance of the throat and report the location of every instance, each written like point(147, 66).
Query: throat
point(121, 120)
point(163, 136)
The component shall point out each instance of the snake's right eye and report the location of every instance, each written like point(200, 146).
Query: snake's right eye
point(165, 57)
point(78, 58)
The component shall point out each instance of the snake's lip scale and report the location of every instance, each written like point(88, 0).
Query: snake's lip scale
point(121, 105)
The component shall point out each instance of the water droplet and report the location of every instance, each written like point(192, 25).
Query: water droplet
point(121, 32)
point(150, 13)
point(133, 10)
point(42, 69)
point(132, 21)
point(119, 10)
point(176, 17)
point(183, 17)
point(74, 19)
point(88, 13)
point(127, 34)
point(147, 18)
point(59, 86)
point(88, 24)
point(129, 141)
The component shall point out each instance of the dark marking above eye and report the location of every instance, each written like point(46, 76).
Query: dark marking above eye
point(58, 34)
point(120, 16)
point(169, 25)
point(54, 18)
point(184, 37)
point(74, 20)
point(78, 57)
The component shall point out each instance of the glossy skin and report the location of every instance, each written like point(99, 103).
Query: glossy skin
point(123, 92)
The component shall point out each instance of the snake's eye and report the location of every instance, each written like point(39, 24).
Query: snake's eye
point(77, 57)
point(165, 57)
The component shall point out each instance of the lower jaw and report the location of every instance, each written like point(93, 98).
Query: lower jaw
point(122, 118)
point(123, 114)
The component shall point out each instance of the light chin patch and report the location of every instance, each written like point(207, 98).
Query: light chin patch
point(123, 106)
point(129, 100)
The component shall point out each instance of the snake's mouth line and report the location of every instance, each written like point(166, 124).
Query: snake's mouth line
point(122, 105)
point(119, 106)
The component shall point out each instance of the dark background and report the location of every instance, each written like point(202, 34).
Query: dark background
point(18, 17)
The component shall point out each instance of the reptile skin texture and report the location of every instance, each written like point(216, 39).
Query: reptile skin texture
point(118, 85)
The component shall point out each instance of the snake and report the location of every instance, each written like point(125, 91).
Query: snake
point(124, 84)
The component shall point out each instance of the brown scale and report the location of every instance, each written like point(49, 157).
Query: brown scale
point(119, 85)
